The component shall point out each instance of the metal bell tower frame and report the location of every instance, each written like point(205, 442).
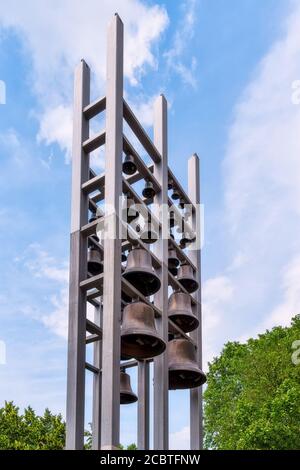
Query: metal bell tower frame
point(103, 291)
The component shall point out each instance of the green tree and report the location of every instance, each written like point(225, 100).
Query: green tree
point(29, 431)
point(252, 399)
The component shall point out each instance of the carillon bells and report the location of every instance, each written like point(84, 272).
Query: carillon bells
point(129, 165)
point(140, 273)
point(127, 395)
point(129, 210)
point(181, 203)
point(148, 235)
point(139, 338)
point(175, 194)
point(184, 371)
point(148, 191)
point(186, 278)
point(94, 261)
point(181, 313)
point(173, 262)
point(170, 185)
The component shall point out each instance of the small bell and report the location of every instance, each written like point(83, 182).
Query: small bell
point(181, 203)
point(129, 165)
point(184, 372)
point(148, 191)
point(170, 185)
point(140, 273)
point(186, 278)
point(181, 313)
point(127, 395)
point(148, 235)
point(175, 194)
point(173, 262)
point(172, 219)
point(139, 337)
point(94, 261)
point(129, 210)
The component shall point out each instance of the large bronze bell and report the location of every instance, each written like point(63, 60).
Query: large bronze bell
point(94, 261)
point(139, 272)
point(127, 395)
point(148, 191)
point(129, 165)
point(173, 262)
point(139, 338)
point(181, 313)
point(186, 278)
point(184, 371)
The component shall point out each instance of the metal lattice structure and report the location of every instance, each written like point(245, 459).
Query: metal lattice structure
point(104, 290)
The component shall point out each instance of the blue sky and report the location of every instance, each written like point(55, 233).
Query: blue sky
point(227, 68)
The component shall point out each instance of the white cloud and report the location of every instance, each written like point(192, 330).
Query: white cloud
point(180, 439)
point(60, 33)
point(262, 191)
point(182, 38)
point(56, 126)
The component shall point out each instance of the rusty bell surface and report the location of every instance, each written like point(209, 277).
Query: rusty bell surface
point(140, 273)
point(127, 395)
point(181, 313)
point(139, 337)
point(186, 278)
point(94, 261)
point(184, 371)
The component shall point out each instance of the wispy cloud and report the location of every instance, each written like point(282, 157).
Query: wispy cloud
point(181, 41)
point(55, 46)
point(262, 191)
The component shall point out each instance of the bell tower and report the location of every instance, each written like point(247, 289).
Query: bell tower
point(124, 259)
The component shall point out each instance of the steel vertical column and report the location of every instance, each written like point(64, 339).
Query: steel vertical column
point(97, 379)
point(161, 382)
point(143, 405)
point(110, 415)
point(196, 412)
point(78, 265)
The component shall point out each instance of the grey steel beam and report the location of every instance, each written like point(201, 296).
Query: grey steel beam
point(143, 405)
point(110, 415)
point(196, 412)
point(161, 382)
point(97, 379)
point(94, 108)
point(78, 266)
point(94, 142)
point(141, 134)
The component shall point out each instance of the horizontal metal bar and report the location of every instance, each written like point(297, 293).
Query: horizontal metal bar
point(97, 182)
point(94, 329)
point(140, 133)
point(90, 228)
point(142, 168)
point(92, 368)
point(94, 142)
point(94, 108)
point(92, 339)
point(92, 282)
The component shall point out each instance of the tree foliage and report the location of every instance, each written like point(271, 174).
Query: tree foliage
point(252, 399)
point(29, 431)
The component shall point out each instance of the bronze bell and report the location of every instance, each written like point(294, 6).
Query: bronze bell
point(184, 371)
point(175, 194)
point(186, 278)
point(129, 165)
point(94, 261)
point(173, 262)
point(148, 191)
point(148, 235)
point(172, 219)
point(181, 203)
point(129, 210)
point(127, 395)
point(139, 338)
point(139, 272)
point(181, 313)
point(170, 184)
